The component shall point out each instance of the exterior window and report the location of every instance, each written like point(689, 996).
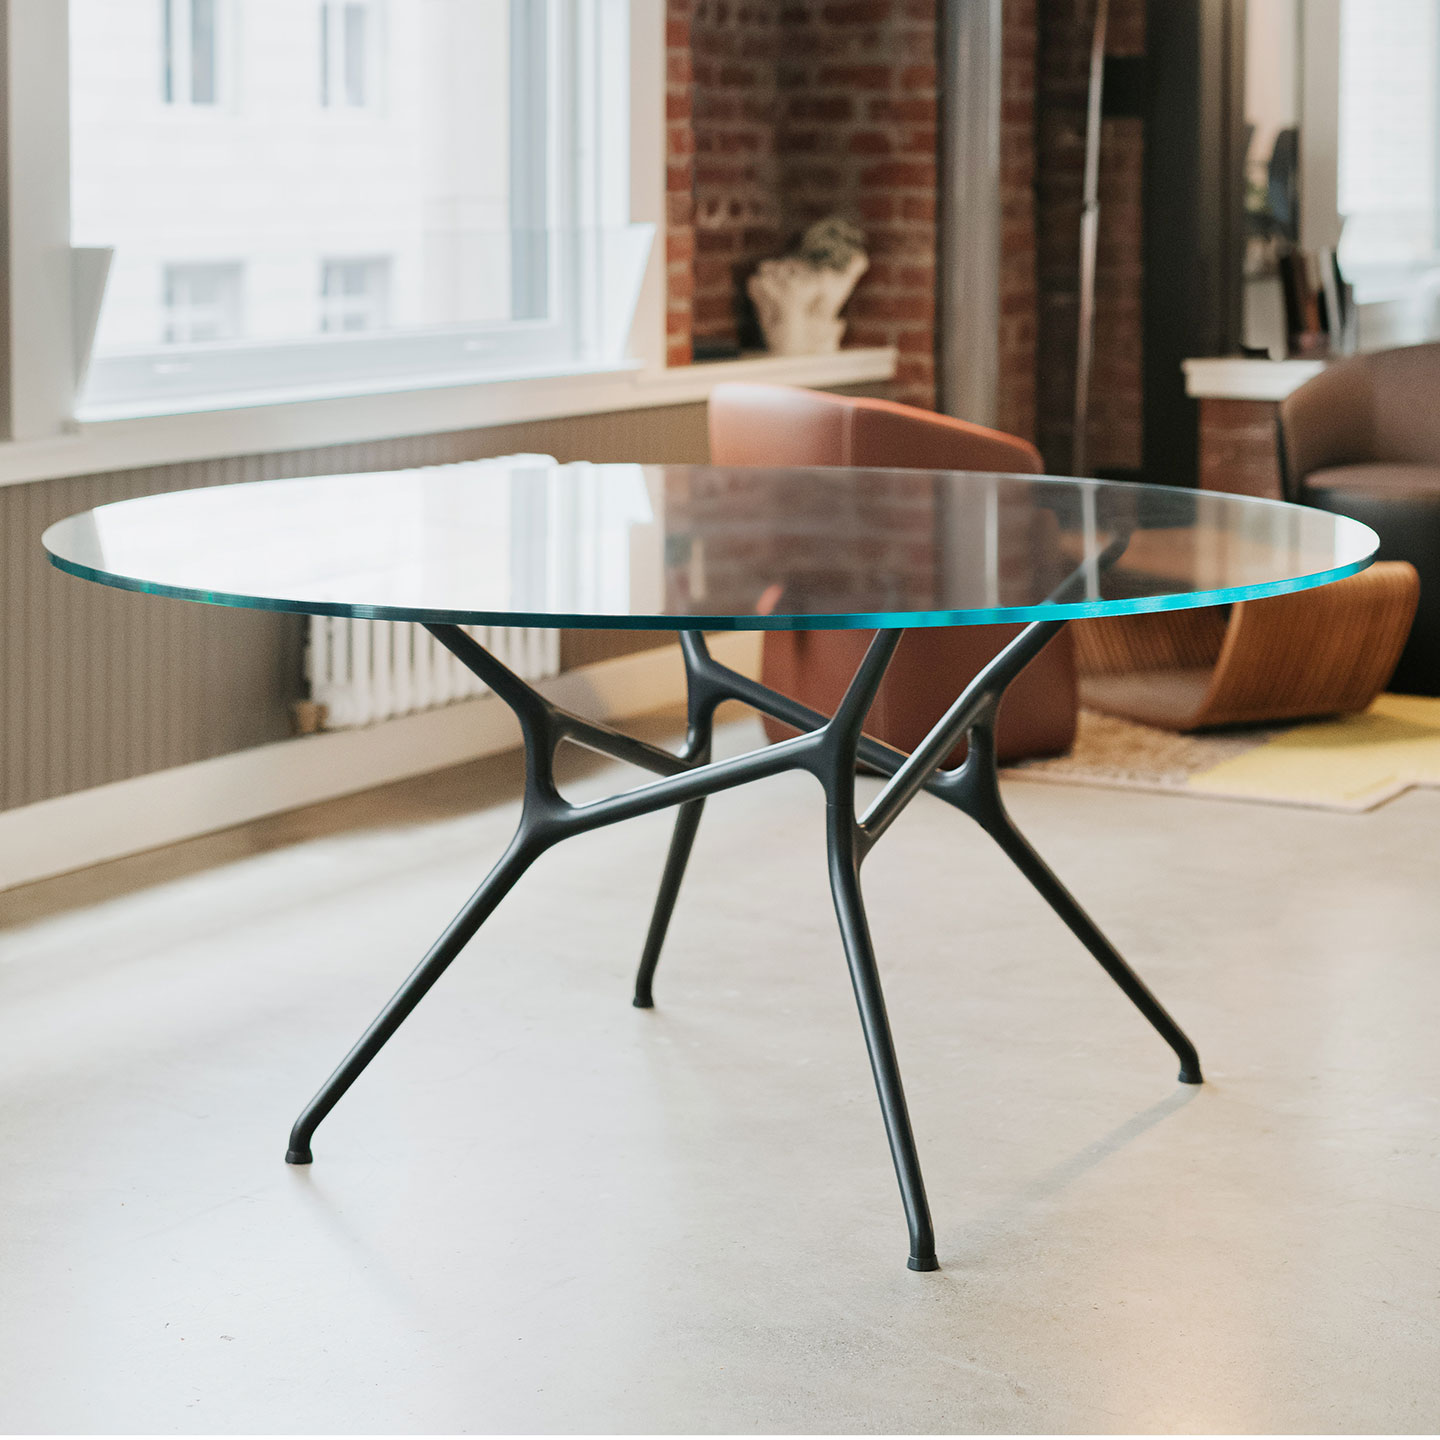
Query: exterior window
point(354, 296)
point(202, 303)
point(190, 51)
point(349, 48)
point(473, 228)
point(1389, 181)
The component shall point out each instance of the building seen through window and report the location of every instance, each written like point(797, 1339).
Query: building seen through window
point(1389, 129)
point(1342, 104)
point(203, 303)
point(354, 295)
point(268, 181)
point(349, 41)
point(190, 51)
point(451, 225)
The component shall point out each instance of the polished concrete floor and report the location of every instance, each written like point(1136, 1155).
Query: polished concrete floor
point(543, 1210)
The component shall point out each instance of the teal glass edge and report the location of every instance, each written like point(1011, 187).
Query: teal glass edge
point(884, 620)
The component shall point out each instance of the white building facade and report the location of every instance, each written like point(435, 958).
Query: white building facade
point(273, 171)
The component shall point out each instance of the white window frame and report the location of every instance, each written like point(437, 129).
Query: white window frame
point(180, 275)
point(330, 37)
point(579, 121)
point(37, 406)
point(339, 304)
point(176, 70)
point(42, 350)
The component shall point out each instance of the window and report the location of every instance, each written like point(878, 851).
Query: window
point(202, 304)
point(354, 295)
point(1343, 108)
point(475, 227)
point(190, 51)
point(1389, 143)
point(349, 47)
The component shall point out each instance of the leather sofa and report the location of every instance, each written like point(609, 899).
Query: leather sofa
point(1363, 439)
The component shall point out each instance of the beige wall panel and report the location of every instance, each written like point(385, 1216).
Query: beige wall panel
point(99, 685)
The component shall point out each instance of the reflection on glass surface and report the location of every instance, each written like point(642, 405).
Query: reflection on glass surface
point(490, 542)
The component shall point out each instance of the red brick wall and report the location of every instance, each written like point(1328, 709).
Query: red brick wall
point(858, 136)
point(679, 182)
point(1018, 296)
point(739, 217)
point(782, 111)
point(802, 109)
point(1237, 448)
point(1115, 403)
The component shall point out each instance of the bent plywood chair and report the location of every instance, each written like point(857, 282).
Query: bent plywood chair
point(1328, 651)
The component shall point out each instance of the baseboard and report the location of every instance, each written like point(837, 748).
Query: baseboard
point(73, 831)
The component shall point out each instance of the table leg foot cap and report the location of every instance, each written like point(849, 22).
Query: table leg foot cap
point(1191, 1076)
point(923, 1262)
point(643, 1002)
point(298, 1157)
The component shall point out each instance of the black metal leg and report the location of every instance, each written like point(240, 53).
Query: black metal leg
point(855, 931)
point(830, 750)
point(981, 800)
point(846, 844)
point(701, 700)
point(512, 865)
point(687, 823)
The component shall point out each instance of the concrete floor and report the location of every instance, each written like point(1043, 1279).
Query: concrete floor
point(543, 1210)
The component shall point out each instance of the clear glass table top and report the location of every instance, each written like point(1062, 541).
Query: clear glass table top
point(691, 547)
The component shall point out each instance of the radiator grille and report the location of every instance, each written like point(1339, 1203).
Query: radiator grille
point(361, 671)
point(99, 685)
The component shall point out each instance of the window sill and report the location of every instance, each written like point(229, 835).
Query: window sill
point(1246, 378)
point(104, 446)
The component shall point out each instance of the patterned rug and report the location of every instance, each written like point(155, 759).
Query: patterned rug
point(1353, 763)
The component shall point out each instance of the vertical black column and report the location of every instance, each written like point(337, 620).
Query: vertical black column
point(1194, 214)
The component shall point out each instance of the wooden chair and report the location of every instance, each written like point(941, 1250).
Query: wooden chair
point(1328, 651)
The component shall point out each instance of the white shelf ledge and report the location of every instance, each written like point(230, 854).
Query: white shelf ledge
point(1239, 378)
point(109, 445)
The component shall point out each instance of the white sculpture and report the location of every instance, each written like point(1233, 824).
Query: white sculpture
point(799, 298)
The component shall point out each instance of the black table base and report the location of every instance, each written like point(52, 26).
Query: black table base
point(831, 748)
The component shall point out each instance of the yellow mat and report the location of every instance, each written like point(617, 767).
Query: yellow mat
point(1353, 763)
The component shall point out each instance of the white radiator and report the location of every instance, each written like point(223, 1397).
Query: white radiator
point(364, 671)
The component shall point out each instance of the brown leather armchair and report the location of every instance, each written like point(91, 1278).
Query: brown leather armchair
point(1363, 439)
point(780, 425)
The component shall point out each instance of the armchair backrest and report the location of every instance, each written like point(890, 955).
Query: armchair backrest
point(1377, 408)
point(783, 425)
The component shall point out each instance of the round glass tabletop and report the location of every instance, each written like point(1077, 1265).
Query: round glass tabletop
point(706, 547)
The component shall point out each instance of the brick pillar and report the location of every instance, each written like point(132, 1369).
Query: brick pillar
point(679, 183)
point(1015, 411)
point(738, 219)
